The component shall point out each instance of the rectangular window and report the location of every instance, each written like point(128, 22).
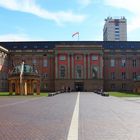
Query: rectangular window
point(79, 57)
point(123, 86)
point(123, 75)
point(45, 63)
point(123, 63)
point(117, 38)
point(94, 57)
point(116, 28)
point(113, 86)
point(112, 75)
point(134, 75)
point(117, 35)
point(78, 71)
point(62, 58)
point(62, 71)
point(116, 32)
point(134, 62)
point(34, 61)
point(112, 63)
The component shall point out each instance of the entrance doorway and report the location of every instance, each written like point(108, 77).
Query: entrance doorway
point(79, 86)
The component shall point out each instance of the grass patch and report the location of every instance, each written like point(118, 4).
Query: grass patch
point(43, 94)
point(4, 93)
point(124, 94)
point(7, 94)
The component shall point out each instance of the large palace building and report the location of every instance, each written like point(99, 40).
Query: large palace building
point(79, 65)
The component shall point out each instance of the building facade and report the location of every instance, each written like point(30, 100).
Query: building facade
point(4, 68)
point(79, 65)
point(115, 29)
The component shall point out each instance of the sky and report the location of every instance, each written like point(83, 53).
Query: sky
point(58, 20)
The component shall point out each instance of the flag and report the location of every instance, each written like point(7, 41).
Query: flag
point(76, 33)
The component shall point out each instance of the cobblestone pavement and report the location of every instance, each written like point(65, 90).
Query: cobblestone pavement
point(109, 118)
point(49, 118)
point(45, 118)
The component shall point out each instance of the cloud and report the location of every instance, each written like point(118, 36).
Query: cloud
point(84, 2)
point(14, 37)
point(30, 6)
point(131, 6)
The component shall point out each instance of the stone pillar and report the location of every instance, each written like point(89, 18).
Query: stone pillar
point(89, 67)
point(85, 66)
point(25, 88)
point(32, 84)
point(56, 66)
point(72, 65)
point(68, 66)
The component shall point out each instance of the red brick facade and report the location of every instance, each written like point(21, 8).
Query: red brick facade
point(83, 66)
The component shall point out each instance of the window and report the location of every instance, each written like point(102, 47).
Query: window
point(113, 86)
point(25, 47)
point(45, 63)
point(34, 61)
point(134, 75)
point(94, 72)
point(117, 35)
point(116, 32)
point(123, 86)
point(45, 75)
point(62, 57)
point(78, 71)
point(134, 63)
point(116, 28)
point(123, 75)
point(112, 63)
point(117, 38)
point(123, 63)
point(62, 71)
point(112, 75)
point(94, 57)
point(46, 47)
point(78, 57)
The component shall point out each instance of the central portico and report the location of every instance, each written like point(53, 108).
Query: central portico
point(79, 67)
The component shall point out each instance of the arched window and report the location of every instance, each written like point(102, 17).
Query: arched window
point(94, 72)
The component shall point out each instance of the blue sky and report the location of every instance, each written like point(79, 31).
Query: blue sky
point(51, 20)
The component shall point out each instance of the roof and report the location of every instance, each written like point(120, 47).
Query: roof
point(27, 70)
point(30, 45)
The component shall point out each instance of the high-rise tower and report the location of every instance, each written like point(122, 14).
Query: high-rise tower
point(115, 29)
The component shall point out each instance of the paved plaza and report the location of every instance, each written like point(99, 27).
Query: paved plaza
point(49, 118)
